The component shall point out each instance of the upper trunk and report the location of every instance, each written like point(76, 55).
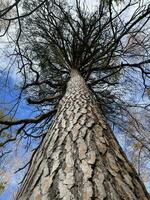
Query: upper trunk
point(79, 159)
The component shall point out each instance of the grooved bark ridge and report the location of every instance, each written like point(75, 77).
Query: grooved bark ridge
point(79, 158)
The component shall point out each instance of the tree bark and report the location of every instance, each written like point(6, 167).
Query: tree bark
point(79, 158)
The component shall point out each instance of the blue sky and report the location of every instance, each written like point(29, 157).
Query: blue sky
point(7, 94)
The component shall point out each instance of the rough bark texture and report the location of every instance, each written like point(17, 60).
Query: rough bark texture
point(79, 159)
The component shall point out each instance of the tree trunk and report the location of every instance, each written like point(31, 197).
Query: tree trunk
point(79, 159)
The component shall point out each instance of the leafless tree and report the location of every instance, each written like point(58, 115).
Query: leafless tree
point(109, 49)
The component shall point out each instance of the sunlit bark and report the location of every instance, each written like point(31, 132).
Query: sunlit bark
point(79, 159)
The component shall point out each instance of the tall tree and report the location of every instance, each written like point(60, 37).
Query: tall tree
point(78, 67)
point(79, 158)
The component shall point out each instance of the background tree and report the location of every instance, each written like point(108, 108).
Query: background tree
point(106, 47)
point(5, 176)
